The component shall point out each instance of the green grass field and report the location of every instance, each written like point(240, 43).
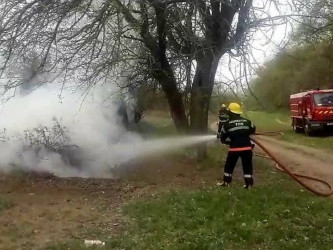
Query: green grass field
point(161, 125)
point(280, 121)
point(265, 121)
point(274, 215)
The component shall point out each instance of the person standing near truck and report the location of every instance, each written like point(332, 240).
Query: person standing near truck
point(236, 133)
point(223, 116)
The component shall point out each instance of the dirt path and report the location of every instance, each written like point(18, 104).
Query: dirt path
point(302, 159)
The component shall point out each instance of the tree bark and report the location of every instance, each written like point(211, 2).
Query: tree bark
point(169, 86)
point(163, 71)
point(202, 88)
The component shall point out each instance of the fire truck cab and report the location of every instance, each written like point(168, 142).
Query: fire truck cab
point(312, 110)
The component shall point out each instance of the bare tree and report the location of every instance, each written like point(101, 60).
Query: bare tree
point(315, 22)
point(178, 42)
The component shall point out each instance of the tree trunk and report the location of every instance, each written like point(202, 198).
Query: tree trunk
point(169, 86)
point(163, 71)
point(176, 105)
point(202, 88)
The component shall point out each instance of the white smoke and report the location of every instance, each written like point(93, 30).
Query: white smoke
point(92, 122)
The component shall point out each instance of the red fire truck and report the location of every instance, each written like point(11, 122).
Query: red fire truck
point(312, 110)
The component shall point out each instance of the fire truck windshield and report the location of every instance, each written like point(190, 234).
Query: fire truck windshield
point(323, 99)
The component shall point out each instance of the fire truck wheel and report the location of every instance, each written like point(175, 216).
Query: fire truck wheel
point(297, 129)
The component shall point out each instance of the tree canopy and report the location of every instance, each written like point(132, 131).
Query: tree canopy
point(306, 64)
point(177, 44)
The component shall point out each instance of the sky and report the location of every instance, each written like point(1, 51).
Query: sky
point(264, 45)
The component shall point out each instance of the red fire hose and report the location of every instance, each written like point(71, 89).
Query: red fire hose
point(295, 176)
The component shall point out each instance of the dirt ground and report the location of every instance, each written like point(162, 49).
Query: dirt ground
point(48, 209)
point(303, 160)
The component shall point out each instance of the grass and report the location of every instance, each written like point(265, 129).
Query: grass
point(268, 217)
point(277, 216)
point(156, 124)
point(266, 121)
point(159, 125)
point(270, 122)
point(316, 141)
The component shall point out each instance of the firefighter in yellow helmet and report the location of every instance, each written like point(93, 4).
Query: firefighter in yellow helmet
point(223, 116)
point(236, 133)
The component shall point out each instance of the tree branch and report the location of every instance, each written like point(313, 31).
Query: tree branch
point(242, 21)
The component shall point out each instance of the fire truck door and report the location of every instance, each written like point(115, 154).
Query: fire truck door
point(307, 106)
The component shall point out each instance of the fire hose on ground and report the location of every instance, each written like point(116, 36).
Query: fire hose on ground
point(280, 166)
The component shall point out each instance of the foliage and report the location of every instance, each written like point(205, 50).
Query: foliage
point(225, 98)
point(302, 68)
point(43, 139)
point(51, 138)
point(315, 21)
point(307, 64)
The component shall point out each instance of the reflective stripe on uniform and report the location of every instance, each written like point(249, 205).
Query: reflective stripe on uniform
point(248, 176)
point(228, 175)
point(238, 128)
point(239, 120)
point(240, 149)
point(222, 129)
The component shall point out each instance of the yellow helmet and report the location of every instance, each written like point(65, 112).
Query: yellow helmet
point(235, 108)
point(223, 106)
